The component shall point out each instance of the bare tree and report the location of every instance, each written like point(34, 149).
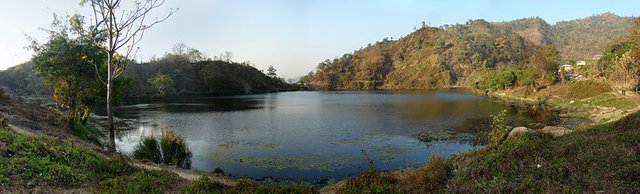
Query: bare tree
point(227, 56)
point(180, 48)
point(117, 29)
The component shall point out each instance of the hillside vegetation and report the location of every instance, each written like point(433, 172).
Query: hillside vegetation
point(205, 77)
point(202, 77)
point(461, 54)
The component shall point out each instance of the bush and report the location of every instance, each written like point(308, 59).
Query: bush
point(499, 129)
point(171, 150)
point(496, 80)
point(175, 150)
point(587, 89)
point(148, 149)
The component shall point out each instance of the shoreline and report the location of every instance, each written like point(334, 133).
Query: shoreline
point(505, 97)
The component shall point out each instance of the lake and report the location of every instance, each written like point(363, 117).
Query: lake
point(312, 136)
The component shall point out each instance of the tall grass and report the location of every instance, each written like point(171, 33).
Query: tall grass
point(368, 182)
point(148, 149)
point(172, 150)
point(432, 176)
point(175, 150)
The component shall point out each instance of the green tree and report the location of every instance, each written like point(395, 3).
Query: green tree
point(117, 29)
point(162, 84)
point(67, 66)
point(542, 66)
point(271, 72)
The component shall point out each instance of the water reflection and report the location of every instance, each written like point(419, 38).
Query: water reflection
point(188, 104)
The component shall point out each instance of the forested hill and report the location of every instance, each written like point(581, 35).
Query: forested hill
point(22, 80)
point(205, 77)
point(450, 55)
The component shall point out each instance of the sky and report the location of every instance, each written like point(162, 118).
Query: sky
point(291, 35)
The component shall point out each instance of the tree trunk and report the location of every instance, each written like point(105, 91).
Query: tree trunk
point(112, 140)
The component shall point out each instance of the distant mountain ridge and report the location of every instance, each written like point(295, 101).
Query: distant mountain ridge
point(433, 57)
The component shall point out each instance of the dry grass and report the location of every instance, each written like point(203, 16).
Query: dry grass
point(586, 89)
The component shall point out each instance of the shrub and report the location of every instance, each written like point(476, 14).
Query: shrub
point(175, 150)
point(148, 149)
point(587, 89)
point(499, 129)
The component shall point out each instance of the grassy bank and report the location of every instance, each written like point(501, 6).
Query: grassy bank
point(36, 163)
point(590, 100)
point(605, 157)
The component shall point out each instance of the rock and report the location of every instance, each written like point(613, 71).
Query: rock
point(555, 130)
point(218, 171)
point(519, 131)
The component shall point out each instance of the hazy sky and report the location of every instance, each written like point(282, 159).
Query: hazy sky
point(292, 35)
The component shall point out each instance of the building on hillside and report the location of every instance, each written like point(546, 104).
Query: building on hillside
point(581, 63)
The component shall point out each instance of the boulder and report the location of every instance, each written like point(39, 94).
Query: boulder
point(519, 131)
point(218, 171)
point(555, 130)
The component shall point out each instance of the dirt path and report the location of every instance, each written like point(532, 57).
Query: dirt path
point(187, 174)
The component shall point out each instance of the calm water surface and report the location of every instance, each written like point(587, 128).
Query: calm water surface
point(309, 136)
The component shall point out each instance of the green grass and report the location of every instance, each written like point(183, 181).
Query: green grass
point(28, 162)
point(600, 158)
point(611, 100)
point(154, 181)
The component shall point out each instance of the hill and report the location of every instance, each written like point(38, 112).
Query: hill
point(453, 55)
point(22, 80)
point(581, 39)
point(203, 78)
point(198, 78)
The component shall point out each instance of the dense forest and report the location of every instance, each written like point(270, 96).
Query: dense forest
point(467, 54)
